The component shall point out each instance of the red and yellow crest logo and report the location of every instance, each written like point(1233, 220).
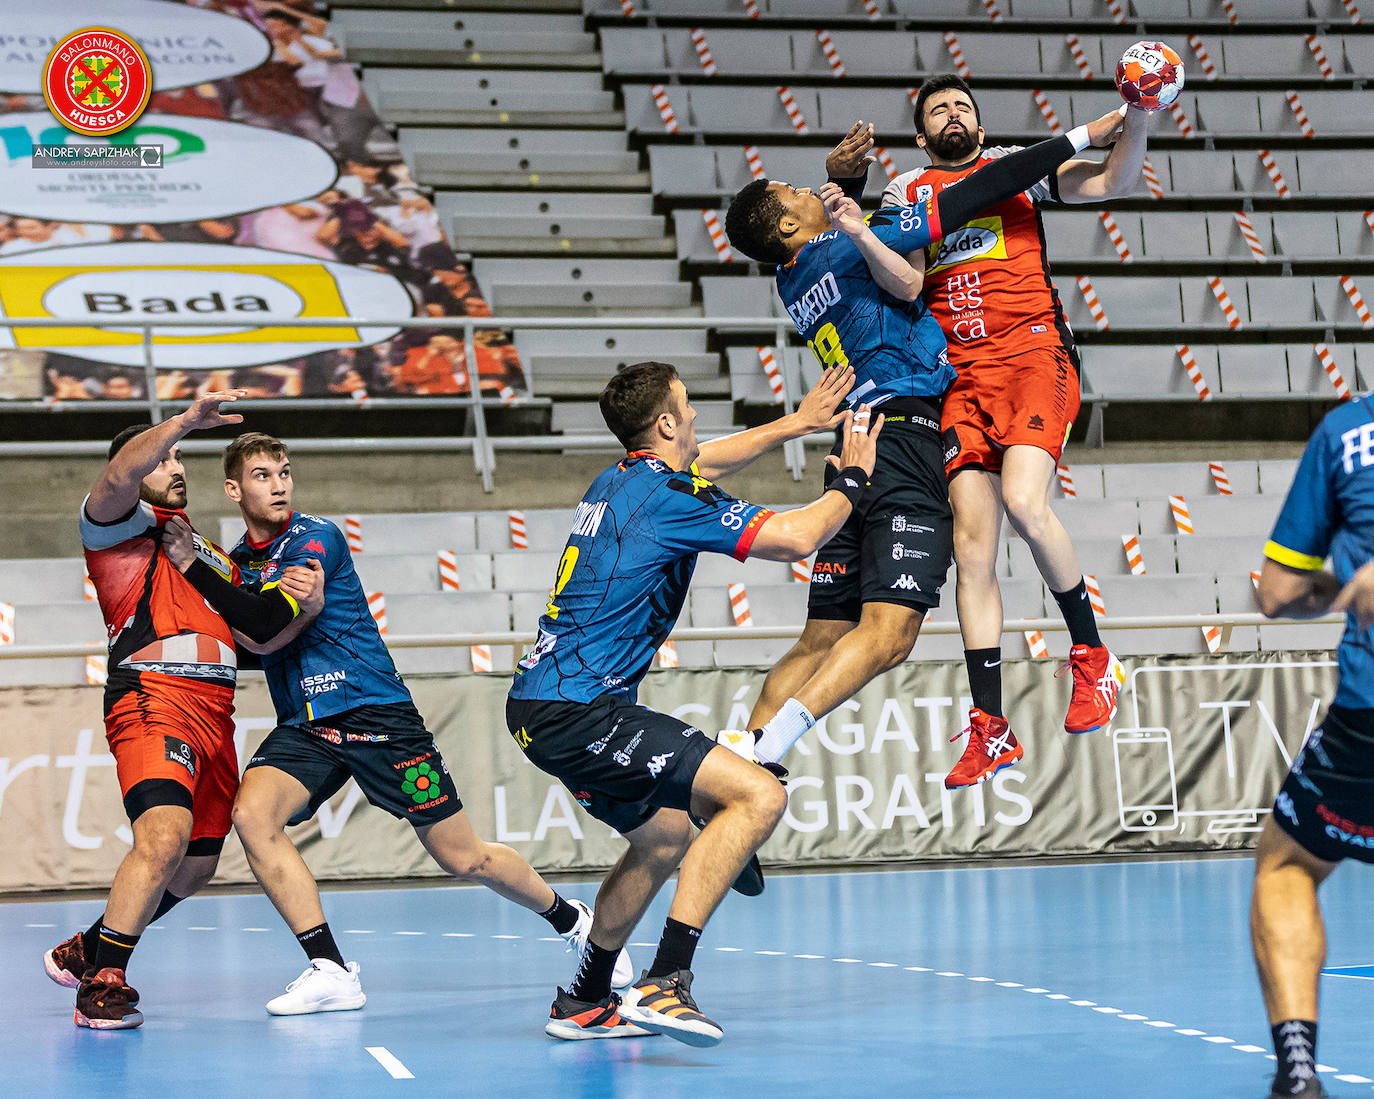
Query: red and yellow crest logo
point(97, 81)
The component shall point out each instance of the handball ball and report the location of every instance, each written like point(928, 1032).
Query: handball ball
point(1149, 76)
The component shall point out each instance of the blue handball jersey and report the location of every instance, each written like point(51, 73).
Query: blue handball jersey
point(1330, 512)
point(623, 577)
point(339, 661)
point(896, 348)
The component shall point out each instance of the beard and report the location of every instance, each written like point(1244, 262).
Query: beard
point(953, 144)
point(172, 498)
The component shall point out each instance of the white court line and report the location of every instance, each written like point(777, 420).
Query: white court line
point(390, 1062)
point(407, 932)
point(252, 929)
point(457, 934)
point(349, 931)
point(1341, 976)
point(40, 925)
point(508, 936)
point(202, 929)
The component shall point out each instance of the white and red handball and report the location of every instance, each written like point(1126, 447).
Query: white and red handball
point(1149, 76)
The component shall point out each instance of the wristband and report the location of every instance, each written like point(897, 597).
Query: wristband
point(1078, 137)
point(851, 483)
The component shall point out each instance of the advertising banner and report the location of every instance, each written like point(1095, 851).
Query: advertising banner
point(1192, 762)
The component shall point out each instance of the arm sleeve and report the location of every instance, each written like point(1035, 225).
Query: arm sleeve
point(852, 186)
point(260, 617)
point(1302, 533)
point(996, 182)
point(693, 515)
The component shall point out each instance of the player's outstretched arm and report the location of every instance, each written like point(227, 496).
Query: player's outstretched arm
point(1287, 592)
point(891, 270)
point(816, 412)
point(115, 492)
point(792, 535)
point(1114, 177)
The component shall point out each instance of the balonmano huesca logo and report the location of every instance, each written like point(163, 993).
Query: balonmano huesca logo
point(97, 81)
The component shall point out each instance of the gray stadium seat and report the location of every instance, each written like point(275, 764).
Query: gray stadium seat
point(1358, 49)
point(436, 37)
point(573, 286)
point(456, 96)
point(1201, 173)
point(717, 570)
point(549, 215)
point(1142, 371)
point(1335, 304)
point(1220, 555)
point(56, 622)
point(1128, 302)
point(634, 50)
point(1079, 235)
point(1175, 235)
point(405, 573)
point(1087, 481)
point(1285, 11)
point(840, 108)
point(1285, 301)
point(448, 612)
point(1142, 596)
point(1307, 375)
point(725, 296)
point(1332, 172)
point(1254, 177)
point(546, 529)
point(1276, 475)
point(1307, 234)
point(744, 110)
point(38, 579)
point(1226, 241)
point(1356, 236)
point(1252, 368)
point(409, 532)
point(525, 570)
point(749, 383)
point(999, 53)
point(871, 53)
point(480, 157)
point(1329, 112)
point(769, 605)
point(1245, 55)
point(1228, 515)
point(1227, 113)
point(1143, 480)
point(1098, 518)
point(1296, 636)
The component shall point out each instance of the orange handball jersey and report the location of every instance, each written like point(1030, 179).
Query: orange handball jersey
point(988, 283)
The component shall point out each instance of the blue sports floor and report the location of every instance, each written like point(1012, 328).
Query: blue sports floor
point(1124, 979)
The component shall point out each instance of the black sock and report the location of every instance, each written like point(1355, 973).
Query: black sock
point(592, 982)
point(561, 915)
point(90, 940)
point(1295, 1045)
point(1078, 615)
point(675, 949)
point(318, 942)
point(985, 679)
point(169, 901)
point(112, 949)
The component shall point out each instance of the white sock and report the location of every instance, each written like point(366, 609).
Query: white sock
point(785, 728)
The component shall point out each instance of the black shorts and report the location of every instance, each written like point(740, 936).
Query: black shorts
point(898, 544)
point(386, 748)
point(1327, 801)
point(621, 762)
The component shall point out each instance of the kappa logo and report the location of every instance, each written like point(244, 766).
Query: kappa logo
point(658, 762)
point(316, 546)
point(906, 583)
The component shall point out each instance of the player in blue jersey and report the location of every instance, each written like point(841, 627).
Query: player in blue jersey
point(343, 712)
point(1324, 811)
point(620, 587)
point(851, 291)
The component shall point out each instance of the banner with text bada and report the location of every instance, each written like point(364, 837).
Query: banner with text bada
point(1193, 761)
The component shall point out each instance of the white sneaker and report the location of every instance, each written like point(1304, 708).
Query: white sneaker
point(742, 742)
point(624, 973)
point(322, 987)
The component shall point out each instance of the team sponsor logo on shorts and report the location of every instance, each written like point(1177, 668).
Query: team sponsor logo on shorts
point(420, 783)
point(625, 756)
point(583, 798)
point(906, 583)
point(901, 550)
point(178, 751)
point(1346, 831)
point(658, 762)
point(522, 737)
point(901, 525)
point(950, 439)
point(596, 747)
point(324, 732)
point(366, 738)
point(1284, 804)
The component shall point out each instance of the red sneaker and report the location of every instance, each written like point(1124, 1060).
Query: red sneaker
point(991, 746)
point(1097, 678)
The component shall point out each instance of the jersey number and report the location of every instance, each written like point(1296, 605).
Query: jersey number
point(826, 345)
point(565, 568)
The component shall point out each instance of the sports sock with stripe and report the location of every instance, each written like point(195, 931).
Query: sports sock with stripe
point(783, 730)
point(113, 949)
point(676, 948)
point(90, 937)
point(561, 915)
point(1295, 1045)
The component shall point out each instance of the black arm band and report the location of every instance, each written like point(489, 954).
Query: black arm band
point(852, 186)
point(851, 483)
point(1004, 177)
point(258, 617)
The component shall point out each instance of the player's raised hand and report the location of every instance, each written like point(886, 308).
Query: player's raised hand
point(849, 159)
point(205, 413)
point(816, 412)
point(1104, 131)
point(305, 584)
point(843, 211)
point(179, 542)
point(860, 445)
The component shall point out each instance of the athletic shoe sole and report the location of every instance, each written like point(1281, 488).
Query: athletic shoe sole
point(988, 773)
point(686, 1031)
point(56, 973)
point(126, 1023)
point(571, 1032)
point(350, 1004)
point(1120, 681)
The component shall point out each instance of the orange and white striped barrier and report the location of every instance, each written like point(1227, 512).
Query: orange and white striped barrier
point(739, 605)
point(832, 55)
point(1212, 635)
point(376, 605)
point(1369, 219)
point(1254, 579)
point(1189, 360)
point(1095, 595)
point(1066, 481)
point(1352, 10)
point(755, 162)
point(874, 12)
point(794, 115)
point(1130, 543)
point(801, 572)
point(665, 109)
point(507, 395)
point(480, 655)
point(1181, 120)
point(1118, 11)
point(1219, 478)
point(751, 8)
point(956, 54)
point(1051, 119)
point(1228, 307)
point(1099, 314)
point(97, 669)
point(1319, 54)
point(87, 587)
point(1204, 59)
point(1114, 235)
point(667, 655)
point(1295, 105)
point(912, 94)
point(448, 571)
point(6, 623)
point(1035, 645)
point(771, 371)
point(716, 232)
point(1183, 519)
point(518, 538)
point(1271, 166)
point(1151, 179)
point(708, 63)
point(353, 533)
point(994, 12)
point(1333, 371)
point(628, 9)
point(1357, 301)
point(1229, 7)
point(889, 166)
point(1080, 59)
point(1252, 240)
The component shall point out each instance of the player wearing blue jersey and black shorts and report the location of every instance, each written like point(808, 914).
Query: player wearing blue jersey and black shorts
point(343, 712)
point(856, 299)
point(1324, 811)
point(620, 586)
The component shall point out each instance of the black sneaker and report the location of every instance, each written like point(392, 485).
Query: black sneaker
point(575, 1020)
point(65, 962)
point(664, 1005)
point(106, 1002)
point(1312, 1089)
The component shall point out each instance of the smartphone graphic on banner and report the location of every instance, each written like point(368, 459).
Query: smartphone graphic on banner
point(1146, 789)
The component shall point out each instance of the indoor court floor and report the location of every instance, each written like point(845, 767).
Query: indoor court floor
point(1106, 979)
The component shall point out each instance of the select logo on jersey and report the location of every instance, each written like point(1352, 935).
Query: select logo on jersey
point(981, 238)
point(178, 751)
point(97, 81)
point(819, 297)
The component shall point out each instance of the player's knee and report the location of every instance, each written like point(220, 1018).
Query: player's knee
point(161, 842)
point(975, 552)
point(198, 879)
point(469, 864)
point(1028, 510)
point(253, 821)
point(771, 802)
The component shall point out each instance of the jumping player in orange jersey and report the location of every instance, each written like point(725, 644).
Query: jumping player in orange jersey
point(1007, 417)
point(169, 703)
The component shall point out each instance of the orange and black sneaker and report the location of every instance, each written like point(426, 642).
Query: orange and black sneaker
point(1097, 678)
point(104, 1001)
point(65, 962)
point(991, 746)
point(575, 1020)
point(664, 1005)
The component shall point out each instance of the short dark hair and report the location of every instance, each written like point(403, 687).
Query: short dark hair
point(247, 445)
point(940, 84)
point(634, 399)
point(117, 443)
point(751, 223)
